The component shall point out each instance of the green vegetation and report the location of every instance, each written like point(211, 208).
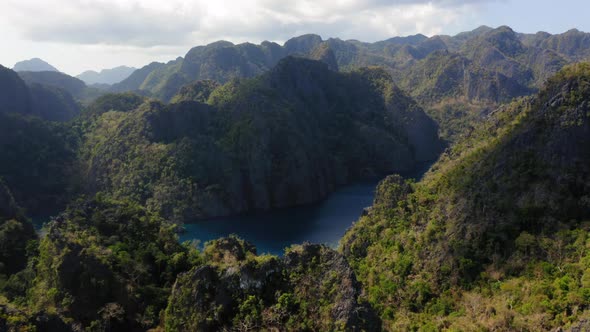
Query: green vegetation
point(18, 243)
point(456, 79)
point(49, 102)
point(72, 85)
point(285, 138)
point(107, 263)
point(15, 234)
point(310, 289)
point(37, 163)
point(495, 236)
point(14, 97)
point(69, 86)
point(197, 91)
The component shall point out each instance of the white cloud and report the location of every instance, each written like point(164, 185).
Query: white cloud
point(77, 34)
point(147, 23)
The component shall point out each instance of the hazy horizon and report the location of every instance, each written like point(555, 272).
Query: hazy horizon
point(105, 34)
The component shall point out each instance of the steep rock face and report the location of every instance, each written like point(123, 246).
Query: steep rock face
point(286, 138)
point(405, 114)
point(445, 75)
point(312, 288)
point(47, 102)
point(165, 81)
point(63, 93)
point(501, 199)
point(325, 54)
point(36, 162)
point(53, 104)
point(14, 95)
point(302, 44)
point(77, 273)
point(15, 232)
point(574, 44)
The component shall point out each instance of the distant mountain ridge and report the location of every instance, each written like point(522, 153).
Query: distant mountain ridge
point(221, 61)
point(106, 76)
point(34, 64)
point(466, 75)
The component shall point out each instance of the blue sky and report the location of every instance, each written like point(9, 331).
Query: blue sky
point(77, 35)
point(540, 15)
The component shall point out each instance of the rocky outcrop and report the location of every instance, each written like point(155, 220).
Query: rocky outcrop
point(325, 54)
point(15, 233)
point(116, 280)
point(311, 287)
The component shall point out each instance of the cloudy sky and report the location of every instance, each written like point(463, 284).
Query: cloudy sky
point(77, 35)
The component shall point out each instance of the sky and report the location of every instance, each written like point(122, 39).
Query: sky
point(79, 35)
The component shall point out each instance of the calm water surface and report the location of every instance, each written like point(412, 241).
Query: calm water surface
point(324, 222)
point(272, 231)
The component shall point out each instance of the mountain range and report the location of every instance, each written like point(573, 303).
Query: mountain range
point(499, 50)
point(456, 79)
point(494, 237)
point(467, 74)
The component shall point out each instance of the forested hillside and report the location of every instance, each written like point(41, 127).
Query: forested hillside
point(286, 138)
point(49, 102)
point(496, 235)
